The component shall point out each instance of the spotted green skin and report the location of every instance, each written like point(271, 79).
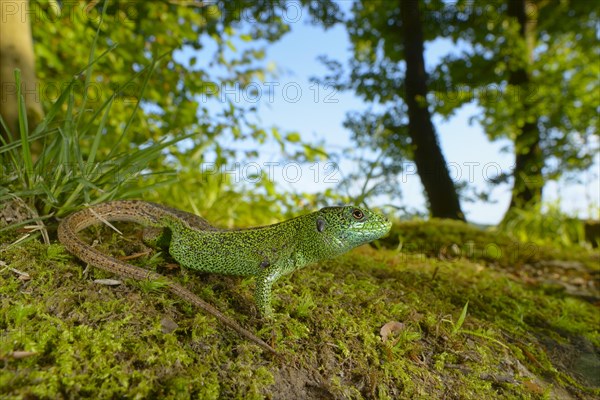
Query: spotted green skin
point(269, 252)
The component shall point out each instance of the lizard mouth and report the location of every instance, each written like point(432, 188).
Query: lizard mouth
point(359, 235)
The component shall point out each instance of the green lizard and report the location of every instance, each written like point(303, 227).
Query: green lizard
point(266, 252)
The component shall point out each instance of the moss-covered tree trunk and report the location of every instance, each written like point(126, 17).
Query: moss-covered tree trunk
point(430, 162)
point(528, 178)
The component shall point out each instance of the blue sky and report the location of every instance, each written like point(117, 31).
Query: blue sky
point(317, 113)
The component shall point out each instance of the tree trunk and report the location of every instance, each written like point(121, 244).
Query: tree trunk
point(16, 51)
point(430, 162)
point(528, 178)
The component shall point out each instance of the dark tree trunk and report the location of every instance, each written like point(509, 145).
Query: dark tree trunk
point(528, 178)
point(431, 165)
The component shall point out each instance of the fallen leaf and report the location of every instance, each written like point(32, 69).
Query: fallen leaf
point(389, 328)
point(17, 355)
point(533, 387)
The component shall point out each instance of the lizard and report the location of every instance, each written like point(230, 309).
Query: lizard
point(265, 252)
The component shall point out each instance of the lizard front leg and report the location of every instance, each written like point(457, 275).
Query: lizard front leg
point(264, 284)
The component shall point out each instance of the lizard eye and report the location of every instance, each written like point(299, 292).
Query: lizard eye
point(357, 214)
point(320, 224)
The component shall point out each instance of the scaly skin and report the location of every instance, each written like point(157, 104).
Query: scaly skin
point(266, 252)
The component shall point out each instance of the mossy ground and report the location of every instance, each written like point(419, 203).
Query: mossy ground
point(528, 332)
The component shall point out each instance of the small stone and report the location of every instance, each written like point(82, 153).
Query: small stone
point(168, 325)
point(108, 282)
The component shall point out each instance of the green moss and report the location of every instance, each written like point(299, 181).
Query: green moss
point(518, 339)
point(455, 240)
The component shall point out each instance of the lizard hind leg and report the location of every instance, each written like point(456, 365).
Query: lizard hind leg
point(158, 238)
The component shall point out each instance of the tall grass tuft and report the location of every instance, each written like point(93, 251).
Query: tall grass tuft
point(550, 227)
point(64, 175)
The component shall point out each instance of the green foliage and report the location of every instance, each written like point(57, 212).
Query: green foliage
point(376, 74)
point(456, 328)
point(561, 99)
point(177, 98)
point(69, 170)
point(551, 227)
point(562, 95)
point(455, 240)
point(373, 176)
point(530, 240)
point(113, 130)
point(148, 52)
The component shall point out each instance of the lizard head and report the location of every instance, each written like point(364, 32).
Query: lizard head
point(346, 227)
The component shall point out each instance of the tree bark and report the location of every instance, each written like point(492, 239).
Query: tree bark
point(528, 178)
point(430, 162)
point(16, 51)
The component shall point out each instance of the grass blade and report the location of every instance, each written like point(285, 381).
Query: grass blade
point(23, 130)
